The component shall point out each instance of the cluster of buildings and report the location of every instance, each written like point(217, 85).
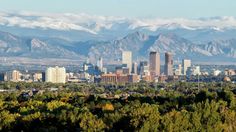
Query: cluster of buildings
point(52, 74)
point(126, 72)
point(150, 71)
point(226, 72)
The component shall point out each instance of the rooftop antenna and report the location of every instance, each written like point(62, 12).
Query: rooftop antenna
point(178, 60)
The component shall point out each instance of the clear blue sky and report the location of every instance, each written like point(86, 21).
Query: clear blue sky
point(127, 8)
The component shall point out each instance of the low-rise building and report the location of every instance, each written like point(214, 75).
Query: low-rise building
point(109, 78)
point(194, 71)
point(133, 78)
point(216, 72)
point(14, 76)
point(230, 72)
point(38, 77)
point(122, 78)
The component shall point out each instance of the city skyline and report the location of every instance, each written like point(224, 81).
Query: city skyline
point(148, 71)
point(117, 65)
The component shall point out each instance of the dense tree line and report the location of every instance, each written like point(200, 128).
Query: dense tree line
point(150, 107)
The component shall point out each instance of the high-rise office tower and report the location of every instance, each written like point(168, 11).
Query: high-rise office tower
point(144, 68)
point(56, 74)
point(178, 70)
point(154, 64)
point(135, 68)
point(100, 63)
point(168, 64)
point(127, 59)
point(186, 64)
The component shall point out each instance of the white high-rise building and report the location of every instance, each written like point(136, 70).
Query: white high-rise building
point(56, 75)
point(127, 59)
point(186, 64)
point(100, 63)
point(178, 70)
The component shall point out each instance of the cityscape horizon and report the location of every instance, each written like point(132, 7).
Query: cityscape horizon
point(117, 66)
point(126, 71)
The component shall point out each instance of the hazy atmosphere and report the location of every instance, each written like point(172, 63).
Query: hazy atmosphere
point(127, 8)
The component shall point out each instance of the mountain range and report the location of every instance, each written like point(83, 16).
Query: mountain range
point(138, 42)
point(84, 27)
point(78, 36)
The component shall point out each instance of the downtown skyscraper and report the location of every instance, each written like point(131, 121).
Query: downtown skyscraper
point(134, 68)
point(168, 64)
point(186, 64)
point(127, 59)
point(154, 64)
point(100, 63)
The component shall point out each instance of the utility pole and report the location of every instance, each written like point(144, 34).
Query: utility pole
point(198, 82)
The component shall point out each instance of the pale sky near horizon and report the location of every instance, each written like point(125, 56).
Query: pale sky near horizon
point(127, 8)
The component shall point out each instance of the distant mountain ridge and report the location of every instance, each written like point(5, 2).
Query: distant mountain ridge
point(12, 45)
point(138, 42)
point(84, 27)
